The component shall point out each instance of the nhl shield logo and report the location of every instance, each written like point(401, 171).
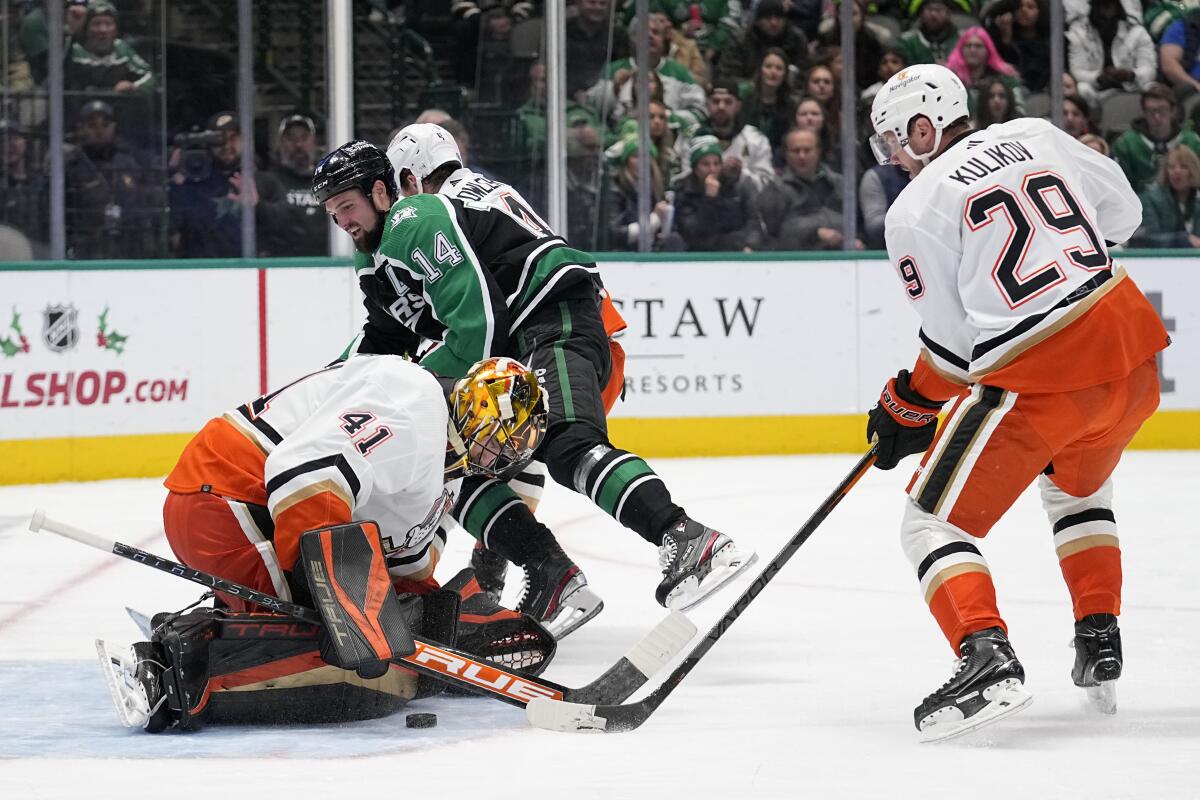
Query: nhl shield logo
point(60, 328)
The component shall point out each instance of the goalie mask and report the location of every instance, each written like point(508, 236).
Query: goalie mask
point(498, 415)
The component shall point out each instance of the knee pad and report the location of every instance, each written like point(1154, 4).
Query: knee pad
point(936, 549)
point(571, 448)
point(588, 468)
point(1059, 504)
point(1076, 518)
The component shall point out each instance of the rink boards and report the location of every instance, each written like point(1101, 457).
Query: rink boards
point(106, 368)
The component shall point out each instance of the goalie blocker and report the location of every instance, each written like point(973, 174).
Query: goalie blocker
point(365, 623)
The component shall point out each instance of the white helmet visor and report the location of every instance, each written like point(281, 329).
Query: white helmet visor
point(885, 146)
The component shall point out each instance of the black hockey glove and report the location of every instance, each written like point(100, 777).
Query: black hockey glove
point(904, 421)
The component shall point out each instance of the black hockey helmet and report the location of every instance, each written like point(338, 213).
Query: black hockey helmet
point(354, 165)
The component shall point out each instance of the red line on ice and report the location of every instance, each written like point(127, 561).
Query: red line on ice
point(79, 579)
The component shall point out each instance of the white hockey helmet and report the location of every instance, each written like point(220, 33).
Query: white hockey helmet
point(925, 90)
point(421, 148)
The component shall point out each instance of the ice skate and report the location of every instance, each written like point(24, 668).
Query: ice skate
point(490, 570)
point(1098, 660)
point(556, 594)
point(134, 678)
point(696, 561)
point(987, 685)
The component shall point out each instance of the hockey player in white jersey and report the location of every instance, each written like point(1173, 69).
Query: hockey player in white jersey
point(424, 151)
point(367, 456)
point(370, 438)
point(1046, 351)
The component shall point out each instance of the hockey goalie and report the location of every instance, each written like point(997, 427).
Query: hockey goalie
point(331, 493)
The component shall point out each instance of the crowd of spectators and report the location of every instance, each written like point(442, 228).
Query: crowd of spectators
point(744, 106)
point(132, 189)
point(745, 109)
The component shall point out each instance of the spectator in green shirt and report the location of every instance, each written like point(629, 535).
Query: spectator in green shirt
point(533, 114)
point(101, 60)
point(1170, 213)
point(933, 37)
point(1140, 149)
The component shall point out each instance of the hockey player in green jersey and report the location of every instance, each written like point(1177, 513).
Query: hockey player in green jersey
point(461, 265)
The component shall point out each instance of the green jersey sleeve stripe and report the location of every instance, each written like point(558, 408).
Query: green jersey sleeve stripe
point(528, 269)
point(545, 289)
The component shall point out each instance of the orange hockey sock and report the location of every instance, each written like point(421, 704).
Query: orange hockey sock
point(963, 604)
point(1093, 576)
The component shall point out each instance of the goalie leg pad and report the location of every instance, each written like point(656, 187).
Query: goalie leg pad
point(353, 592)
point(242, 668)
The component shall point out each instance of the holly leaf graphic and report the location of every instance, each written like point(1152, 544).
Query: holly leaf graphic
point(115, 341)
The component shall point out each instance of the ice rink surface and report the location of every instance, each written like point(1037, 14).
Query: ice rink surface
point(809, 695)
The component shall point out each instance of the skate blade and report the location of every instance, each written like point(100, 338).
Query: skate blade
point(577, 608)
point(1007, 701)
point(726, 567)
point(133, 709)
point(1102, 698)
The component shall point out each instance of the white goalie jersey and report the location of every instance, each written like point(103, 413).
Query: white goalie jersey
point(1002, 241)
point(360, 440)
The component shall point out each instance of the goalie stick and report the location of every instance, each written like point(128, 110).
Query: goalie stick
point(443, 663)
point(564, 715)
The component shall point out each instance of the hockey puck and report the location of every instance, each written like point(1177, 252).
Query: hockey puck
point(420, 720)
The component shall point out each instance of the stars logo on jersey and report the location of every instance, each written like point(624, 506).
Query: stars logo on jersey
point(408, 212)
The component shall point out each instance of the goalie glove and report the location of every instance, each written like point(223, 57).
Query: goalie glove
point(903, 420)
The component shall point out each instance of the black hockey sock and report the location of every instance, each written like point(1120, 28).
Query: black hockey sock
point(493, 513)
point(625, 486)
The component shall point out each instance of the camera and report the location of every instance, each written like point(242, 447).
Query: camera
point(195, 161)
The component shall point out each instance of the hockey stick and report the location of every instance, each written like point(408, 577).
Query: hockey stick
point(446, 664)
point(558, 715)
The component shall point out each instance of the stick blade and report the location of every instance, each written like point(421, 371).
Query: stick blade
point(656, 649)
point(37, 520)
point(559, 715)
point(556, 715)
